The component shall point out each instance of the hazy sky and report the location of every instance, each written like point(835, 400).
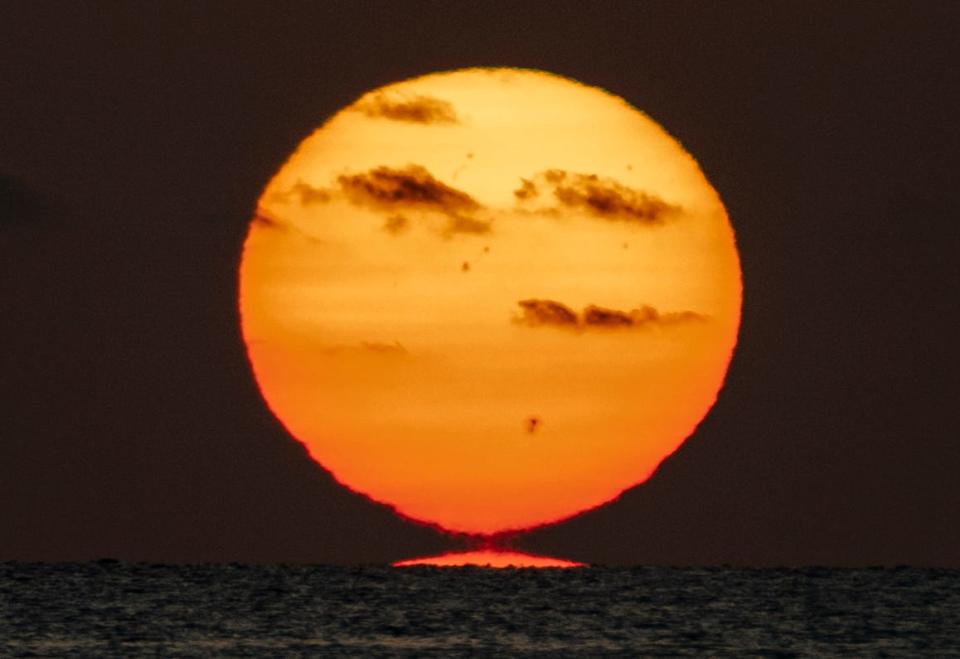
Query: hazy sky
point(136, 138)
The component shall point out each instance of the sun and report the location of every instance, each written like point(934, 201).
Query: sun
point(491, 298)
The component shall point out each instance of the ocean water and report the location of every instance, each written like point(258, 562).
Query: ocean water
point(107, 609)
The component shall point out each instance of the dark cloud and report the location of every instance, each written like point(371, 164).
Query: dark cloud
point(262, 219)
point(386, 188)
point(414, 188)
point(527, 190)
point(415, 109)
point(598, 316)
point(547, 312)
point(391, 190)
point(465, 224)
point(649, 315)
point(310, 195)
point(396, 224)
point(601, 197)
point(594, 316)
point(265, 220)
point(536, 313)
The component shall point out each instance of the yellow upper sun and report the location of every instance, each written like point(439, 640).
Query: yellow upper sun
point(492, 298)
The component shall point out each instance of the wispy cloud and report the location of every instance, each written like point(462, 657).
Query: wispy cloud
point(384, 348)
point(372, 348)
point(547, 312)
point(310, 195)
point(467, 225)
point(398, 192)
point(263, 219)
point(412, 109)
point(600, 197)
point(396, 224)
point(550, 313)
point(389, 188)
point(599, 317)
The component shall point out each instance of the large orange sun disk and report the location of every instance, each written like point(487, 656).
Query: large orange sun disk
point(490, 298)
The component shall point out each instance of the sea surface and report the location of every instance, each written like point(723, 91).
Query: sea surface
point(108, 608)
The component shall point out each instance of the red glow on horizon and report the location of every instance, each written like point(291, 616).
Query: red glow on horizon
point(490, 558)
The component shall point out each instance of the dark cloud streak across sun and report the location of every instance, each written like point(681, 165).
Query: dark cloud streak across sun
point(387, 188)
point(603, 198)
point(547, 312)
point(415, 109)
point(398, 190)
point(266, 221)
point(310, 195)
point(550, 313)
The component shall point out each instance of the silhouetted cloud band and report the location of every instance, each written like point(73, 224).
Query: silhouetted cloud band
point(603, 198)
point(550, 313)
point(397, 190)
point(415, 109)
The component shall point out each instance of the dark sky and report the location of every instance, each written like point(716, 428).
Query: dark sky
point(134, 141)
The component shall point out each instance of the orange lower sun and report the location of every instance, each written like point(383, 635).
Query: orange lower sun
point(491, 298)
point(488, 558)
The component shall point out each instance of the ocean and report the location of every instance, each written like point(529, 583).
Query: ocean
point(115, 609)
